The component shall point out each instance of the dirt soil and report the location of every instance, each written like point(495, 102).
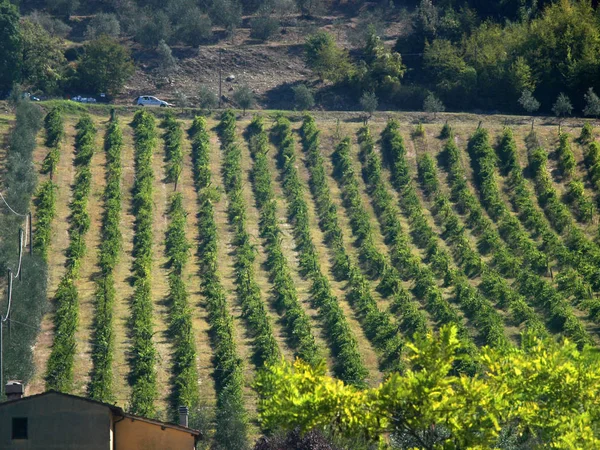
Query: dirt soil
point(270, 71)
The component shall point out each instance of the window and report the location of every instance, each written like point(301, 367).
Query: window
point(19, 428)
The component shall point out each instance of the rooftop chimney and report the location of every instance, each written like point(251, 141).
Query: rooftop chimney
point(183, 416)
point(14, 390)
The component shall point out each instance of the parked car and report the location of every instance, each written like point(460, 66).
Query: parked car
point(27, 95)
point(147, 100)
point(80, 99)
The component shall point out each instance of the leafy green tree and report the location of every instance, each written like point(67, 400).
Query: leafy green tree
point(10, 49)
point(244, 97)
point(263, 27)
point(228, 14)
point(380, 69)
point(592, 104)
point(543, 395)
point(454, 79)
point(432, 104)
point(529, 104)
point(55, 27)
point(325, 58)
point(167, 63)
point(43, 63)
point(63, 8)
point(369, 103)
point(310, 8)
point(562, 107)
point(194, 27)
point(103, 23)
point(303, 97)
point(208, 99)
point(105, 66)
point(153, 28)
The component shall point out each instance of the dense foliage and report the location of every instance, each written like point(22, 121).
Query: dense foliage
point(29, 297)
point(544, 394)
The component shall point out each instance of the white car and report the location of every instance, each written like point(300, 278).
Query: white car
point(147, 100)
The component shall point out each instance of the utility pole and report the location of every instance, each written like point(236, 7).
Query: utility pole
point(2, 320)
point(220, 77)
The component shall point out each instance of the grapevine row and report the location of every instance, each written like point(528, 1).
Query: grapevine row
point(173, 137)
point(492, 285)
point(412, 319)
point(349, 365)
point(59, 372)
point(185, 372)
point(46, 194)
point(534, 220)
point(45, 202)
point(592, 163)
point(557, 212)
point(472, 302)
point(380, 327)
point(100, 387)
point(528, 281)
point(425, 285)
point(298, 325)
point(55, 131)
point(143, 360)
point(228, 365)
point(266, 349)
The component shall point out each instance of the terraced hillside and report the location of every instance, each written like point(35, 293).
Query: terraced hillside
point(185, 254)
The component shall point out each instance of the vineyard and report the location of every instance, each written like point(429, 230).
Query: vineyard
point(185, 254)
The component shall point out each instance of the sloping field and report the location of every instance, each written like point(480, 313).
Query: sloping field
point(241, 240)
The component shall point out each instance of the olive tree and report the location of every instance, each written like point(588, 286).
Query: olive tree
point(529, 103)
point(244, 97)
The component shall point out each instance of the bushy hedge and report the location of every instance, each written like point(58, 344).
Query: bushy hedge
point(59, 372)
point(231, 417)
point(100, 386)
point(29, 296)
point(143, 360)
point(300, 335)
point(349, 365)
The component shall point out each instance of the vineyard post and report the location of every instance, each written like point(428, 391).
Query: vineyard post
point(30, 236)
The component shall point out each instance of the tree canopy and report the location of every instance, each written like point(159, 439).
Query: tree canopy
point(541, 394)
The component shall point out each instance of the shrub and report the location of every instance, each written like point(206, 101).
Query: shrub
point(263, 28)
point(103, 24)
point(244, 97)
point(303, 97)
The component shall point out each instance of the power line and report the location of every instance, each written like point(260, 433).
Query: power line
point(8, 206)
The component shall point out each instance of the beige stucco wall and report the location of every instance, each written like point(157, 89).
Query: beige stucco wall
point(57, 422)
point(138, 435)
